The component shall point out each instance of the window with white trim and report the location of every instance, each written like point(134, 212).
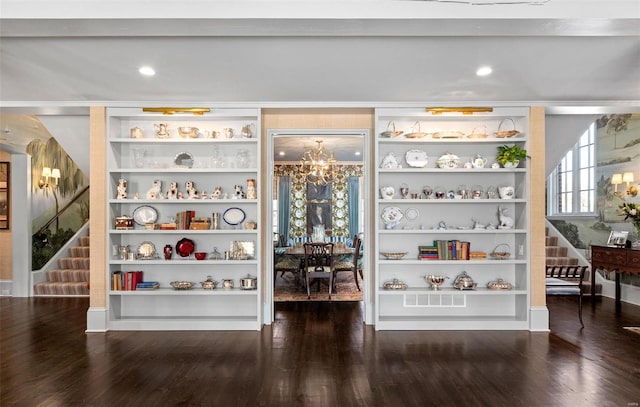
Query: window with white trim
point(571, 186)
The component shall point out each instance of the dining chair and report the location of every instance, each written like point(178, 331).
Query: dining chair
point(318, 264)
point(350, 263)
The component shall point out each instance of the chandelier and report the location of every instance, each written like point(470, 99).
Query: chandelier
point(317, 164)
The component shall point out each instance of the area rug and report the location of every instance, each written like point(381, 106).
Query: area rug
point(635, 329)
point(288, 289)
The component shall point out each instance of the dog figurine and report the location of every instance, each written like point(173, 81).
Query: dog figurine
point(238, 192)
point(155, 192)
point(191, 190)
point(203, 195)
point(172, 193)
point(251, 188)
point(122, 189)
point(216, 194)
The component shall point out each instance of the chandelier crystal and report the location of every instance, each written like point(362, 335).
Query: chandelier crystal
point(317, 164)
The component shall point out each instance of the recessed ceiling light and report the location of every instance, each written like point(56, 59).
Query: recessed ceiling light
point(357, 153)
point(484, 71)
point(146, 71)
point(281, 153)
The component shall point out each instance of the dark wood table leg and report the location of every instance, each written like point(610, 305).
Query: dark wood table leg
point(617, 289)
point(593, 283)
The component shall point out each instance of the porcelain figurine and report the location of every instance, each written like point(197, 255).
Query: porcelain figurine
point(506, 222)
point(251, 188)
point(121, 189)
point(155, 192)
point(190, 186)
point(172, 193)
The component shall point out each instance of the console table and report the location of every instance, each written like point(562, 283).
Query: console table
point(617, 259)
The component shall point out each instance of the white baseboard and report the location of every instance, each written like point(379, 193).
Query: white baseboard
point(96, 319)
point(628, 293)
point(539, 319)
point(5, 288)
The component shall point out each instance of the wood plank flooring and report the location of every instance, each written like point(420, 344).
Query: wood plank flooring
point(317, 354)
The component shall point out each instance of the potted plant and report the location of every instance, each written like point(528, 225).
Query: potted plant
point(510, 157)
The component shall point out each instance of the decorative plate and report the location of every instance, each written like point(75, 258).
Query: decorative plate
point(448, 160)
point(389, 161)
point(392, 214)
point(146, 251)
point(299, 203)
point(299, 213)
point(340, 203)
point(298, 194)
point(416, 158)
point(298, 223)
point(411, 213)
point(340, 213)
point(340, 194)
point(234, 216)
point(387, 192)
point(185, 247)
point(145, 214)
point(339, 223)
point(183, 160)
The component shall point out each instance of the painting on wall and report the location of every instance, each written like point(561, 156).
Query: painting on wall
point(4, 195)
point(319, 214)
point(319, 192)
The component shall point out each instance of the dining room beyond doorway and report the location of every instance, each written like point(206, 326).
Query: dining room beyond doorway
point(317, 196)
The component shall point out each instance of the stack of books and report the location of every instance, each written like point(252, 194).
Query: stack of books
point(445, 250)
point(125, 280)
point(183, 219)
point(148, 285)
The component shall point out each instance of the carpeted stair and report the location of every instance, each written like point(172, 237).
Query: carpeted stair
point(72, 276)
point(557, 256)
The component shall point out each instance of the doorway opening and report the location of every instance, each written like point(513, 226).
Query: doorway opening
point(296, 198)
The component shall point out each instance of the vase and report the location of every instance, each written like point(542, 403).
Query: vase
point(168, 251)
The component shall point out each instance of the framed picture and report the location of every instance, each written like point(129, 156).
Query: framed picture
point(318, 192)
point(618, 238)
point(4, 195)
point(318, 214)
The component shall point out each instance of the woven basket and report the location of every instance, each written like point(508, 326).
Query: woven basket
point(499, 252)
point(506, 133)
point(478, 132)
point(391, 131)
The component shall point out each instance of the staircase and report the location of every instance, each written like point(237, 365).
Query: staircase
point(557, 256)
point(72, 276)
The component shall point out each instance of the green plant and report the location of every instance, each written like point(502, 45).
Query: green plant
point(511, 154)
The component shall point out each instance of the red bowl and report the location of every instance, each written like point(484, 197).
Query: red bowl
point(200, 255)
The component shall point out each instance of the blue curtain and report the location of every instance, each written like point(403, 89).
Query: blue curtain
point(353, 184)
point(284, 207)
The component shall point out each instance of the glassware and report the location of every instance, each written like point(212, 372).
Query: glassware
point(427, 192)
point(477, 192)
point(138, 156)
point(439, 192)
point(242, 159)
point(492, 192)
point(463, 191)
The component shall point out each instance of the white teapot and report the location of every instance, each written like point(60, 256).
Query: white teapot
point(479, 161)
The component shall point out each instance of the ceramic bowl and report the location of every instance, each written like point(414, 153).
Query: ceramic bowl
point(200, 255)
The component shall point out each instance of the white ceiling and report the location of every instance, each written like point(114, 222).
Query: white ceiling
point(339, 53)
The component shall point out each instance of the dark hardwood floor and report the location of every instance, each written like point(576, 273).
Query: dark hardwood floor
point(318, 354)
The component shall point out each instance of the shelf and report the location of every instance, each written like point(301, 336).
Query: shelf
point(178, 262)
point(464, 140)
point(183, 141)
point(182, 201)
point(181, 170)
point(453, 231)
point(450, 201)
point(193, 291)
point(451, 170)
point(183, 231)
point(185, 323)
point(451, 262)
point(448, 291)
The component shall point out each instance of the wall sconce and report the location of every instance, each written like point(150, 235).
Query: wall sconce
point(616, 179)
point(628, 178)
point(46, 174)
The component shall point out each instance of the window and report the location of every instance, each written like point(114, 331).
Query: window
point(571, 186)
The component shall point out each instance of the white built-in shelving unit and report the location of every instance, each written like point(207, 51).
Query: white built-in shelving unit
point(420, 306)
point(141, 161)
